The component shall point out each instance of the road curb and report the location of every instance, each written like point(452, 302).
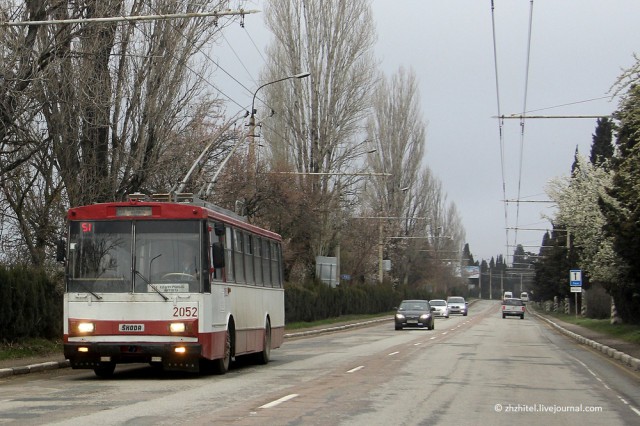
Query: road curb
point(624, 358)
point(336, 328)
point(32, 368)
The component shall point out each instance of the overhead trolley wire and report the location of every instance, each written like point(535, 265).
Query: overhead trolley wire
point(241, 63)
point(221, 68)
point(522, 118)
point(500, 124)
point(255, 45)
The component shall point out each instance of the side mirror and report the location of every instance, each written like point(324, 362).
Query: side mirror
point(218, 255)
point(433, 309)
point(61, 250)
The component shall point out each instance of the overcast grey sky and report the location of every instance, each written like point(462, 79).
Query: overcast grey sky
point(578, 49)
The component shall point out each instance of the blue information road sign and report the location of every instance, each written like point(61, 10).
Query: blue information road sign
point(575, 277)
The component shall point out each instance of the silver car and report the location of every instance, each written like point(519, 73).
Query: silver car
point(441, 307)
point(457, 305)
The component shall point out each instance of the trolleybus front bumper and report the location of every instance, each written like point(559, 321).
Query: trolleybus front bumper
point(172, 356)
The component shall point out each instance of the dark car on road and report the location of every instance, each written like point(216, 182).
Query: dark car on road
point(414, 313)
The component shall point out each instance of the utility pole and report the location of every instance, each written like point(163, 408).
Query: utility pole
point(490, 283)
point(380, 253)
point(252, 117)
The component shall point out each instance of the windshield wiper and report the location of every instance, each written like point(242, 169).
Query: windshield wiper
point(150, 285)
point(84, 286)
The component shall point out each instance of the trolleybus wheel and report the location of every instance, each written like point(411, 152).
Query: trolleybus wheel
point(264, 356)
point(221, 365)
point(105, 370)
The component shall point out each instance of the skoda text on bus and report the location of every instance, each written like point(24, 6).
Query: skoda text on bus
point(183, 285)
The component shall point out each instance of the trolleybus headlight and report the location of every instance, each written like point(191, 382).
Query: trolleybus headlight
point(180, 350)
point(86, 327)
point(177, 327)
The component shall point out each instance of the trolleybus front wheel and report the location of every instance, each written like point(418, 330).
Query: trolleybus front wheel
point(264, 356)
point(221, 365)
point(105, 370)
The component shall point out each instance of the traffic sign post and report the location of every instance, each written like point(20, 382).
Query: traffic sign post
point(575, 282)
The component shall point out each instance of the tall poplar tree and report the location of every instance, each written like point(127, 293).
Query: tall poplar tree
point(317, 129)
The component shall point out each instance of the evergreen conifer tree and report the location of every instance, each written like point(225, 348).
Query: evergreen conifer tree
point(602, 147)
point(623, 213)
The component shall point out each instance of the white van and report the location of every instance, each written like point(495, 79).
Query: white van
point(507, 295)
point(524, 296)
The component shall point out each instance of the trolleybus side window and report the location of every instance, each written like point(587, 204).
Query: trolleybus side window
point(203, 272)
point(257, 261)
point(248, 259)
point(228, 254)
point(238, 263)
point(266, 263)
point(215, 240)
point(100, 256)
point(275, 265)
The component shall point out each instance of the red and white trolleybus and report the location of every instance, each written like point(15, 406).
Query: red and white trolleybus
point(172, 281)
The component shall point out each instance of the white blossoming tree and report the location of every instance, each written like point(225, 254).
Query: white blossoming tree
point(577, 199)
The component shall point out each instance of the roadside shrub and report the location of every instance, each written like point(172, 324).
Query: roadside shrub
point(30, 305)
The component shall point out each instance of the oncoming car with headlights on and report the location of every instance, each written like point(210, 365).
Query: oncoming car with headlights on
point(414, 313)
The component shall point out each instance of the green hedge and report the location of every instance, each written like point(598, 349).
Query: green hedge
point(316, 301)
point(30, 305)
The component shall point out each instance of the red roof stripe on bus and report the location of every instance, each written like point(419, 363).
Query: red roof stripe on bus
point(161, 211)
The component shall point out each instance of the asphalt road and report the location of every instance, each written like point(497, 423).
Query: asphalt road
point(478, 369)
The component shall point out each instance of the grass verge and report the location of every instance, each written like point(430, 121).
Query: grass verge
point(627, 332)
point(29, 348)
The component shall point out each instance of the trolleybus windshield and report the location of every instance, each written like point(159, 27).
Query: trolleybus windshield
point(100, 257)
point(167, 255)
point(125, 256)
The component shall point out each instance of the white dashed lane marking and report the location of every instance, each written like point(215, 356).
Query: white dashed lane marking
point(279, 401)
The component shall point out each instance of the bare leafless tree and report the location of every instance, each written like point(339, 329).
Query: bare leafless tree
point(398, 133)
point(92, 111)
point(317, 129)
point(125, 95)
point(420, 225)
